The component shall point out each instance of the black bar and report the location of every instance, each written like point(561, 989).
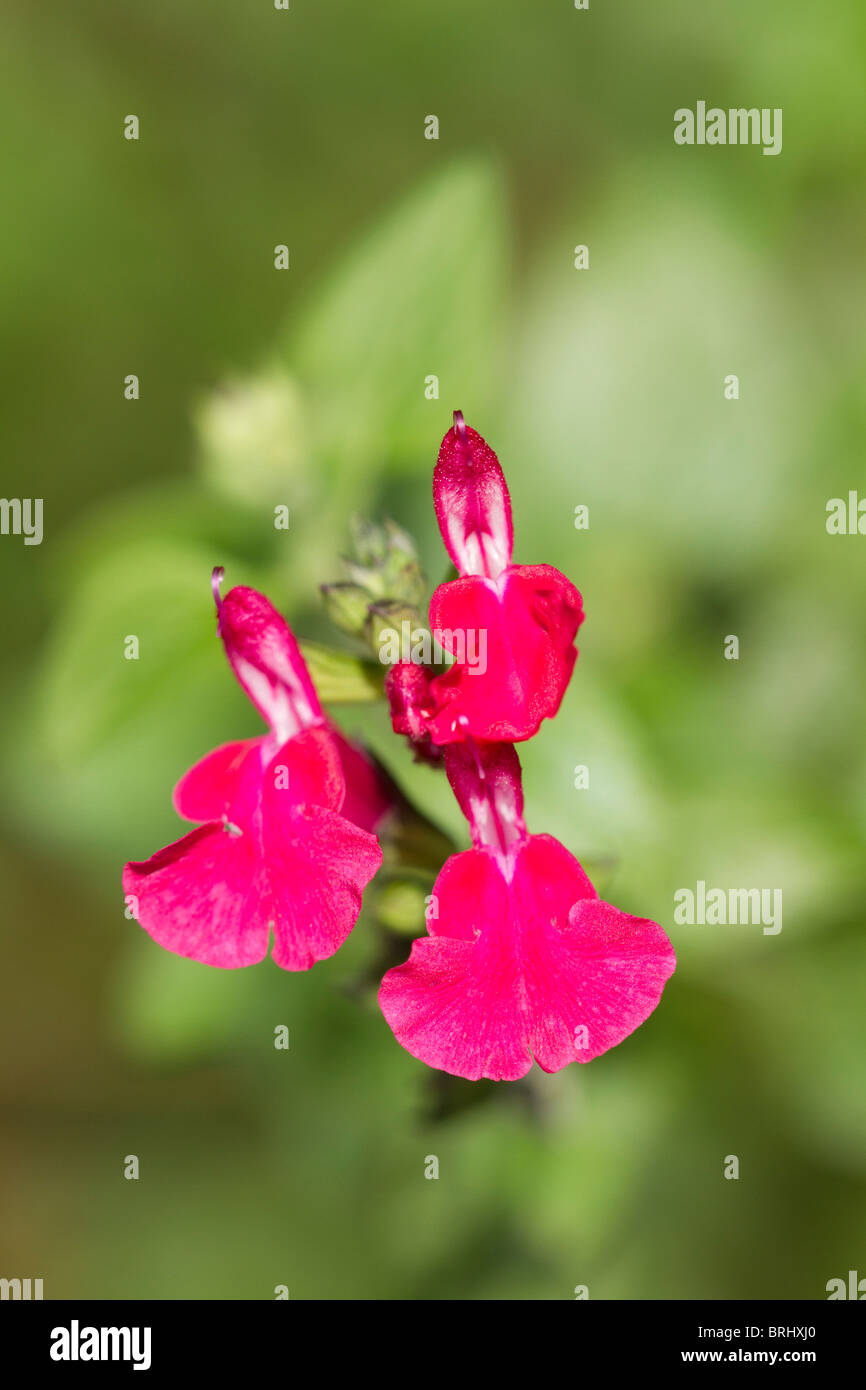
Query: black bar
point(824, 1336)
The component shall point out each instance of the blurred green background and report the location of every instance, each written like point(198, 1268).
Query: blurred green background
point(601, 387)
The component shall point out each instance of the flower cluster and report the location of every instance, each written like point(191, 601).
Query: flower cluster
point(522, 961)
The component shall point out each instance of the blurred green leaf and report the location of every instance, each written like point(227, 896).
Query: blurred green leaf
point(146, 592)
point(107, 736)
point(341, 678)
point(810, 1032)
point(420, 296)
point(168, 1008)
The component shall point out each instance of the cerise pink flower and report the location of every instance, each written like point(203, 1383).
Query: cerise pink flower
point(277, 851)
point(521, 619)
point(522, 959)
point(407, 690)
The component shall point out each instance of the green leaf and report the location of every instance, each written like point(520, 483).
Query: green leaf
point(421, 296)
point(167, 1008)
point(109, 734)
point(149, 597)
point(340, 678)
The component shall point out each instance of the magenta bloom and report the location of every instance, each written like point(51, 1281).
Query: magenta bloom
point(523, 960)
point(510, 627)
point(407, 689)
point(277, 851)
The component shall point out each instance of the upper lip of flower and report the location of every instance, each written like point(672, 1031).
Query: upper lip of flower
point(473, 507)
point(266, 660)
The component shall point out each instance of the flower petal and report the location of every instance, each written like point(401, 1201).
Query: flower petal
point(219, 781)
point(487, 782)
point(407, 687)
point(370, 792)
point(267, 662)
point(318, 865)
point(455, 1004)
point(281, 859)
point(552, 972)
point(305, 771)
point(601, 970)
point(515, 641)
point(198, 897)
point(472, 503)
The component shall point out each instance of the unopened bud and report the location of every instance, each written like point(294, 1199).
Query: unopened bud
point(347, 607)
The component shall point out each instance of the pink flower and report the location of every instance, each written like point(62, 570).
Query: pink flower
point(522, 959)
point(407, 688)
point(510, 627)
point(277, 851)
